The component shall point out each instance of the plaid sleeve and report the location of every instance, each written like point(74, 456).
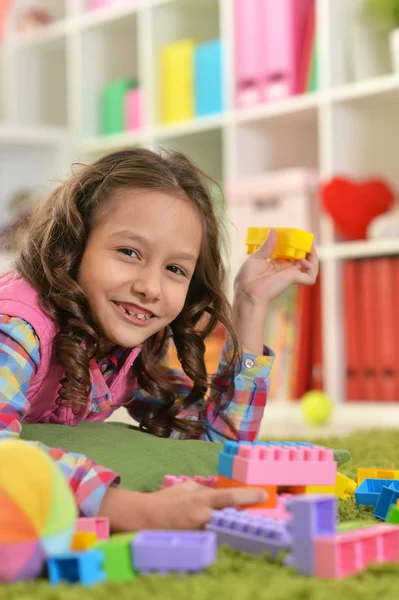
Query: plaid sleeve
point(244, 400)
point(19, 358)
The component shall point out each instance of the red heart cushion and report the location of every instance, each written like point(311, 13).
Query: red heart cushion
point(353, 205)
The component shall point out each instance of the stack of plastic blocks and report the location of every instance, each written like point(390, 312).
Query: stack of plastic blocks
point(310, 537)
point(95, 557)
point(295, 468)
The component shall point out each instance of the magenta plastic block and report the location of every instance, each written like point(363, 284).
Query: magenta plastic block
point(313, 517)
point(97, 525)
point(178, 551)
point(249, 533)
point(171, 480)
point(286, 464)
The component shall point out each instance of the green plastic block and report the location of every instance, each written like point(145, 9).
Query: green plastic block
point(112, 110)
point(118, 559)
point(393, 515)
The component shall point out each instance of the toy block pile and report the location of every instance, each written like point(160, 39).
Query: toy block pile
point(379, 488)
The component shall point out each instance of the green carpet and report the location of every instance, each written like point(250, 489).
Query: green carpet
point(240, 577)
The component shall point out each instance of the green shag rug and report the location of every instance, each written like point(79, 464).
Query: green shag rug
point(241, 577)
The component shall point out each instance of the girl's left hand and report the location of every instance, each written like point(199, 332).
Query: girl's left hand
point(261, 279)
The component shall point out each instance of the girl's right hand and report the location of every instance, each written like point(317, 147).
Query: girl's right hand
point(188, 505)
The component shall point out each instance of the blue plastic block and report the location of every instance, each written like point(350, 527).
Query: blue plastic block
point(226, 458)
point(176, 551)
point(208, 78)
point(369, 491)
point(77, 567)
point(388, 496)
point(249, 533)
point(313, 516)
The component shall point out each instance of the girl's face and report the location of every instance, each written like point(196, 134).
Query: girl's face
point(138, 262)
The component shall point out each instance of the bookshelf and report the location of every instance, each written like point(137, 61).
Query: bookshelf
point(52, 77)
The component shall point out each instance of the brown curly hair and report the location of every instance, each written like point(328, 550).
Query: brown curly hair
point(50, 261)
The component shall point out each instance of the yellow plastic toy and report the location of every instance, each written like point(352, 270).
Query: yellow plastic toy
point(291, 243)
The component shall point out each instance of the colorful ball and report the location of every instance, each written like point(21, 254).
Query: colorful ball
point(37, 510)
point(317, 407)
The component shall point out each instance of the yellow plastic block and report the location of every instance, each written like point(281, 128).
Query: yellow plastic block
point(320, 489)
point(177, 81)
point(291, 243)
point(343, 488)
point(376, 474)
point(83, 540)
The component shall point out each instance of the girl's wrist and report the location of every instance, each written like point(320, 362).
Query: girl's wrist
point(125, 509)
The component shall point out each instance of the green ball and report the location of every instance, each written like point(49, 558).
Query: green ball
point(317, 407)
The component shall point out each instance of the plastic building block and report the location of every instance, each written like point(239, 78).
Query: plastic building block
point(313, 517)
point(363, 474)
point(98, 525)
point(83, 540)
point(285, 465)
point(271, 490)
point(249, 533)
point(177, 551)
point(82, 567)
point(291, 243)
point(338, 556)
point(226, 458)
point(389, 495)
point(344, 487)
point(118, 557)
point(171, 480)
point(369, 490)
point(393, 515)
point(279, 513)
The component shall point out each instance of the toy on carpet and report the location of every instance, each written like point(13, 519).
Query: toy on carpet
point(353, 205)
point(292, 244)
point(38, 511)
point(316, 407)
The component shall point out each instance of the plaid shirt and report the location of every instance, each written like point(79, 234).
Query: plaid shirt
point(19, 357)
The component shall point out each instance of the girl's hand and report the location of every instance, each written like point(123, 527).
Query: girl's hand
point(184, 506)
point(261, 279)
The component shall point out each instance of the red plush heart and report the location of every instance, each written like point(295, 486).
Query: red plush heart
point(353, 205)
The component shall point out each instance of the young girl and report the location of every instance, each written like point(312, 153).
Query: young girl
point(121, 259)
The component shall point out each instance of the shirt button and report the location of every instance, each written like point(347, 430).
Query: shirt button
point(103, 368)
point(249, 363)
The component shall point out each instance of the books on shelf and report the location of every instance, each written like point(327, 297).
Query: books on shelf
point(275, 49)
point(371, 295)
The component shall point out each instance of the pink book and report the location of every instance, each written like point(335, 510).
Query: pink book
point(247, 52)
point(284, 25)
point(133, 110)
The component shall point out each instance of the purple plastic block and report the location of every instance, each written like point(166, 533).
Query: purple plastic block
point(313, 516)
point(249, 533)
point(177, 551)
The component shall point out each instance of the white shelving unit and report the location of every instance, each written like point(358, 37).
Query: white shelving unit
point(348, 126)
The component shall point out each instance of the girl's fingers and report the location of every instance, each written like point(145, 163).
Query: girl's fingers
point(236, 496)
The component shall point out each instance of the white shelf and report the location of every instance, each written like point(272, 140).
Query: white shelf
point(384, 86)
point(361, 249)
point(108, 14)
point(43, 35)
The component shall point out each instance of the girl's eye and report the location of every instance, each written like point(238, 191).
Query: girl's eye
point(177, 270)
point(128, 252)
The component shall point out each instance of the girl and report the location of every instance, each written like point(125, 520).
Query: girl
point(120, 259)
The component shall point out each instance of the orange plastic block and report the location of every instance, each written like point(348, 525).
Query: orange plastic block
point(376, 474)
point(353, 551)
point(284, 465)
point(271, 502)
point(83, 540)
point(291, 243)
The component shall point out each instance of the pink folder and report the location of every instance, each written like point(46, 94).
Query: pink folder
point(283, 26)
point(247, 52)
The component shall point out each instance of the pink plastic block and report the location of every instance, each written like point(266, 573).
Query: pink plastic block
point(133, 110)
point(283, 26)
point(247, 52)
point(97, 525)
point(338, 556)
point(284, 465)
point(171, 480)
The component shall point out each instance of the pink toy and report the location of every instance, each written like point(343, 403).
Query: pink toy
point(276, 465)
point(283, 26)
point(97, 525)
point(133, 110)
point(338, 556)
point(247, 51)
point(171, 480)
